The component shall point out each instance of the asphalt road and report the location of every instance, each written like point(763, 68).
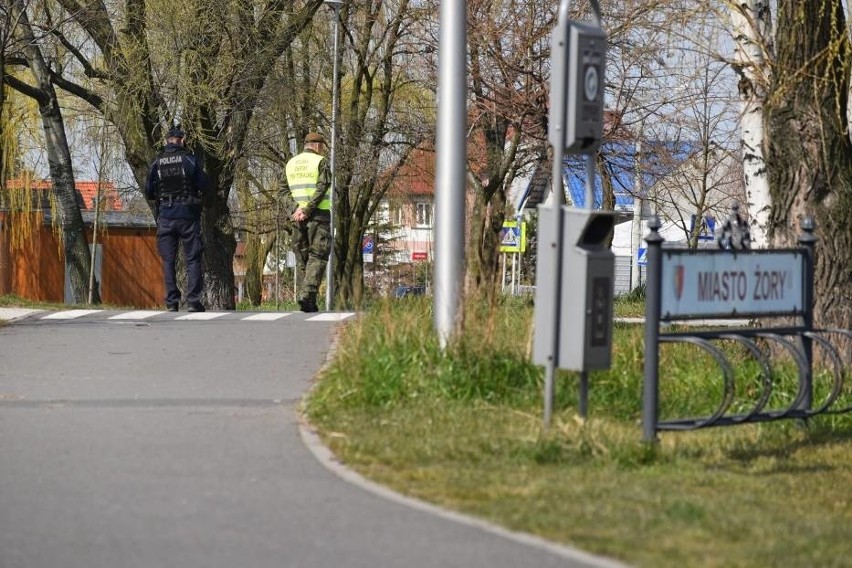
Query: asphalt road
point(165, 442)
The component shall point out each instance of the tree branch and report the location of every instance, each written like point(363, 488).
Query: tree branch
point(78, 90)
point(26, 89)
point(94, 19)
point(88, 69)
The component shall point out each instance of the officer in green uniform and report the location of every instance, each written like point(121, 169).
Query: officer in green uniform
point(304, 195)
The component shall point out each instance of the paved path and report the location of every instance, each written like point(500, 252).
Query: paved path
point(167, 441)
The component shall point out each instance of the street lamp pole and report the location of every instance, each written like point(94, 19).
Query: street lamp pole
point(450, 167)
point(329, 272)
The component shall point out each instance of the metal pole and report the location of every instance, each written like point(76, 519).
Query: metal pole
point(808, 241)
point(583, 386)
point(556, 135)
point(451, 158)
point(514, 272)
point(329, 269)
point(590, 182)
point(519, 218)
point(556, 205)
point(277, 253)
point(636, 224)
point(651, 390)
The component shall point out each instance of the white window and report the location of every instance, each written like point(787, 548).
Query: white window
point(423, 214)
point(382, 215)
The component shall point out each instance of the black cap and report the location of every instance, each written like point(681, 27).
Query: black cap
point(175, 132)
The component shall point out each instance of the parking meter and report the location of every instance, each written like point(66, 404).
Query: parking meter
point(577, 86)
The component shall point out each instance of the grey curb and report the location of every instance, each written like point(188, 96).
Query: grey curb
point(326, 458)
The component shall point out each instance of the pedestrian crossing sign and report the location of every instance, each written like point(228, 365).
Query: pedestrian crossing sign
point(513, 237)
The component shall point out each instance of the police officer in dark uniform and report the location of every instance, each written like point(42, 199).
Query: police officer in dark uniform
point(177, 184)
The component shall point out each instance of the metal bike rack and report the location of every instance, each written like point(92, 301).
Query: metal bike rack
point(787, 291)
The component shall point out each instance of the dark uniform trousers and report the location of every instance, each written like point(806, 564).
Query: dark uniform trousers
point(313, 243)
point(169, 233)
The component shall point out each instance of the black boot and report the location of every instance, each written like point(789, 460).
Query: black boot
point(308, 302)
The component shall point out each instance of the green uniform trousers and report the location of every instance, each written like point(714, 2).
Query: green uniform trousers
point(313, 243)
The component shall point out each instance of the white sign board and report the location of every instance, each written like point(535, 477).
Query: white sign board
point(725, 283)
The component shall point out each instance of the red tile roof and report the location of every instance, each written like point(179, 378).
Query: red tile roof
point(88, 190)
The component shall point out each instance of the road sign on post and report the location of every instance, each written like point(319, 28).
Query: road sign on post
point(367, 248)
point(513, 237)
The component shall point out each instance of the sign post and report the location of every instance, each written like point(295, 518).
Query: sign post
point(575, 126)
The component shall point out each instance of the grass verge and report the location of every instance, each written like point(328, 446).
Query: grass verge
point(464, 430)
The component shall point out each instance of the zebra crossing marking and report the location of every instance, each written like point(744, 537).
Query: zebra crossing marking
point(18, 314)
point(331, 316)
point(200, 316)
point(69, 314)
point(136, 315)
point(12, 314)
point(267, 316)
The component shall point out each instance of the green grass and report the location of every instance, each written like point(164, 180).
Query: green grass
point(12, 301)
point(631, 304)
point(464, 430)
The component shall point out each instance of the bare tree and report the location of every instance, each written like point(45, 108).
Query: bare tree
point(507, 43)
point(384, 102)
point(43, 91)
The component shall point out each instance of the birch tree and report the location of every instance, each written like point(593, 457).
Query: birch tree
point(751, 27)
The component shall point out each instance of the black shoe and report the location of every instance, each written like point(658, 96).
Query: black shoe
point(308, 305)
point(195, 308)
point(172, 307)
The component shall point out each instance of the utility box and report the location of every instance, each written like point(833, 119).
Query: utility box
point(578, 60)
point(585, 274)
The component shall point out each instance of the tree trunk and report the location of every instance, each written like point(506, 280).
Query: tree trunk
point(219, 240)
point(808, 149)
point(254, 260)
point(349, 284)
point(751, 25)
point(607, 189)
point(75, 246)
point(486, 222)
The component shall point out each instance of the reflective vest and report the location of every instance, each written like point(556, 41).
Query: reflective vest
point(302, 175)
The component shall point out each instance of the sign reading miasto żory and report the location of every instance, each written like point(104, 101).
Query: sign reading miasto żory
point(724, 283)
